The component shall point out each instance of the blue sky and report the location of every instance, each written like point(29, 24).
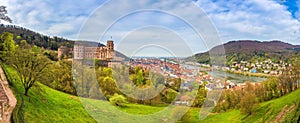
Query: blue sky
point(234, 20)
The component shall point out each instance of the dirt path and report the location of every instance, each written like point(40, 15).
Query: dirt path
point(11, 97)
point(283, 112)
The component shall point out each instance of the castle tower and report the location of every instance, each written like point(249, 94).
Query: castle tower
point(110, 45)
point(110, 49)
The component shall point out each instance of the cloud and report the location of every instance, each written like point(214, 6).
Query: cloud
point(234, 20)
point(183, 17)
point(55, 18)
point(253, 19)
point(4, 2)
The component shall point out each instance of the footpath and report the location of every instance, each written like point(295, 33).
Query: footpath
point(8, 94)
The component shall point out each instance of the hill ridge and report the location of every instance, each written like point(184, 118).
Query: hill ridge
point(246, 49)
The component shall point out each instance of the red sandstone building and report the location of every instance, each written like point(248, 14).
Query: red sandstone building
point(88, 50)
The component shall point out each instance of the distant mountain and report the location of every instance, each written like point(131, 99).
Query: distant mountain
point(249, 50)
point(40, 40)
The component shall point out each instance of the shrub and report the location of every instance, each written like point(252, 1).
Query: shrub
point(118, 100)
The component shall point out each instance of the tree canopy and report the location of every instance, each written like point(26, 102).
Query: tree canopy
point(30, 66)
point(7, 45)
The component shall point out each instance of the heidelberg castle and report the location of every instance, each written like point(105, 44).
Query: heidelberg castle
point(85, 50)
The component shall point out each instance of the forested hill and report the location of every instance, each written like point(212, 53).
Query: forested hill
point(40, 40)
point(35, 38)
point(248, 50)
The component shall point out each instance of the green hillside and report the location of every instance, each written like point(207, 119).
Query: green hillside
point(49, 105)
point(249, 50)
point(46, 104)
point(284, 109)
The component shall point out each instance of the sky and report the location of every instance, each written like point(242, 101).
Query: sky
point(168, 25)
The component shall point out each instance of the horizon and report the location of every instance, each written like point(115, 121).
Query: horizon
point(160, 56)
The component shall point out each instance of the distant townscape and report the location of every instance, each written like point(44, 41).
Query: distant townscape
point(266, 67)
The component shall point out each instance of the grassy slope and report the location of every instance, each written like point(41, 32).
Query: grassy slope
point(269, 110)
point(265, 112)
point(55, 106)
point(49, 105)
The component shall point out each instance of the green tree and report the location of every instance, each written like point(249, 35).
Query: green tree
point(30, 67)
point(60, 77)
point(118, 100)
point(140, 78)
point(108, 86)
point(36, 49)
point(169, 95)
point(7, 45)
point(248, 102)
point(200, 97)
point(270, 88)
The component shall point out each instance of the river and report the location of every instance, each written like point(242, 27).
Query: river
point(238, 78)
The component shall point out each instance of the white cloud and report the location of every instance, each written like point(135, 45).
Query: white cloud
point(55, 18)
point(247, 19)
point(4, 2)
point(253, 19)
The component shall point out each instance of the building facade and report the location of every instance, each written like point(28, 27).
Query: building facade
point(90, 51)
point(100, 52)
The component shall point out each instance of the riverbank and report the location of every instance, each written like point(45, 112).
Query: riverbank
point(250, 74)
point(238, 78)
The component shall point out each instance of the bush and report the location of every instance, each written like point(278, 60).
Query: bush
point(170, 95)
point(118, 100)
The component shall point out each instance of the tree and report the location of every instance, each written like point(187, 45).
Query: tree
point(137, 76)
point(118, 100)
point(140, 78)
point(3, 15)
point(30, 67)
point(7, 45)
point(60, 77)
point(248, 102)
point(200, 97)
point(169, 95)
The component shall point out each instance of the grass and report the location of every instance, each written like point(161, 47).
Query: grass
point(47, 106)
point(264, 112)
point(268, 111)
point(50, 105)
